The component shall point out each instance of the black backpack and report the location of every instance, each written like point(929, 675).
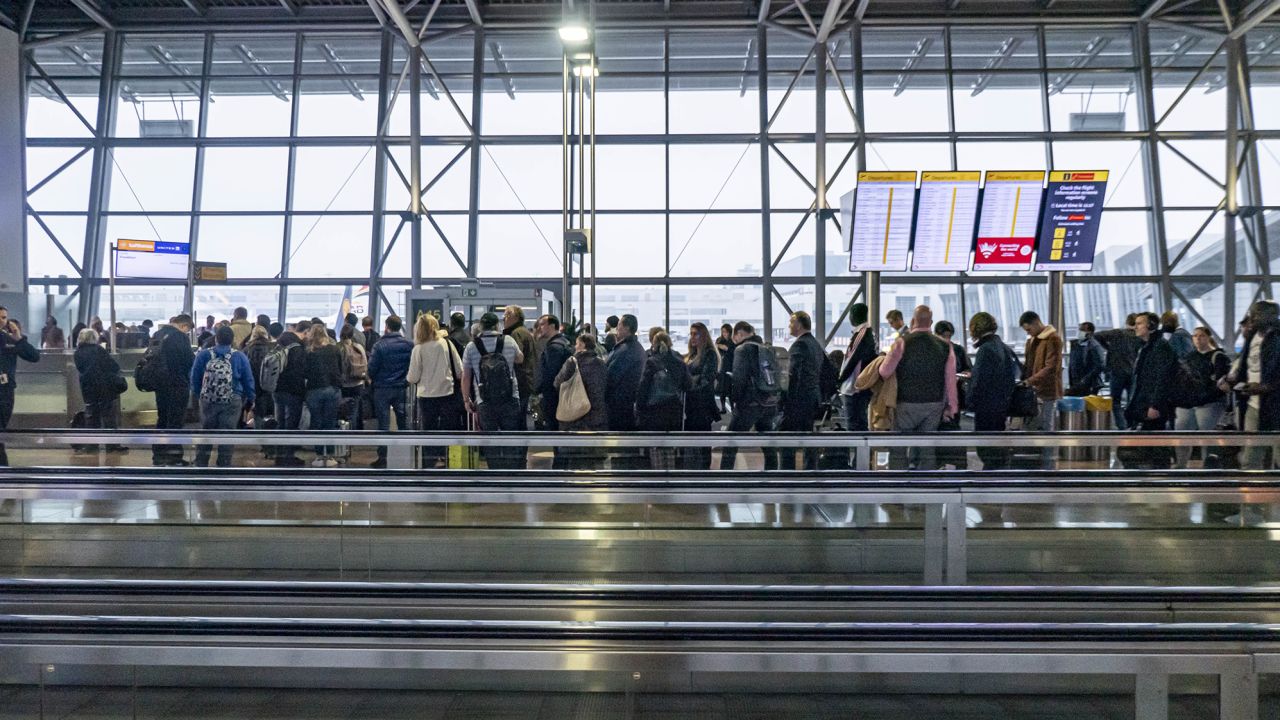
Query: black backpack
point(1191, 389)
point(828, 377)
point(767, 382)
point(150, 371)
point(495, 374)
point(665, 387)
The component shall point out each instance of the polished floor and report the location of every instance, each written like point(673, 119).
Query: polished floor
point(24, 703)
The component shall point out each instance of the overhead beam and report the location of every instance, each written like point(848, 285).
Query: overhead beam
point(248, 58)
point(289, 5)
point(746, 65)
point(473, 8)
point(331, 59)
point(861, 12)
point(1007, 49)
point(170, 63)
point(503, 71)
point(922, 49)
point(93, 13)
point(378, 13)
point(836, 10)
point(1256, 19)
point(1091, 51)
point(27, 8)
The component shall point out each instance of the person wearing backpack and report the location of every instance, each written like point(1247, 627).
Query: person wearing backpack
point(1151, 405)
point(165, 369)
point(101, 385)
point(1207, 366)
point(355, 373)
point(256, 350)
point(755, 392)
point(1122, 353)
point(223, 381)
point(489, 389)
point(660, 405)
point(284, 375)
point(388, 367)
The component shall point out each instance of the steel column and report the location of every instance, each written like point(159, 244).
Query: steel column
point(766, 235)
point(1157, 234)
point(477, 108)
point(566, 180)
point(197, 192)
point(380, 149)
point(415, 168)
point(100, 179)
point(286, 251)
point(820, 192)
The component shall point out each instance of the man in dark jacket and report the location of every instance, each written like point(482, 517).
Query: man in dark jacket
point(724, 344)
point(752, 410)
point(994, 374)
point(1151, 406)
point(1122, 353)
point(458, 334)
point(1085, 363)
point(800, 408)
point(13, 345)
point(388, 367)
point(173, 392)
point(370, 335)
point(625, 368)
point(556, 351)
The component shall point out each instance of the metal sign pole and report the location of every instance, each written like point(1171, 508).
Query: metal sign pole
point(112, 293)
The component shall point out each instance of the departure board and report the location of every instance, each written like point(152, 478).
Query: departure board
point(882, 210)
point(1008, 219)
point(945, 215)
point(1072, 215)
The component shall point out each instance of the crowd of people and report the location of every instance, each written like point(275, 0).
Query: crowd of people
point(500, 376)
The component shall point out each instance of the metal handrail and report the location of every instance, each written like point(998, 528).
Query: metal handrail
point(63, 437)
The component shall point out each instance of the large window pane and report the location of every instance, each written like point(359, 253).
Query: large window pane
point(1089, 47)
point(630, 105)
point(314, 301)
point(149, 179)
point(155, 303)
point(69, 189)
point(1093, 101)
point(1011, 48)
point(715, 176)
point(335, 178)
point(254, 108)
point(244, 178)
point(72, 57)
point(330, 246)
point(712, 305)
point(1000, 155)
point(1127, 184)
point(909, 48)
point(714, 104)
point(439, 116)
point(520, 246)
point(630, 50)
point(165, 228)
point(341, 54)
point(221, 300)
point(249, 245)
point(1191, 172)
point(631, 177)
point(48, 116)
point(910, 102)
point(162, 55)
point(992, 103)
point(521, 177)
point(713, 245)
point(1124, 244)
point(253, 54)
point(630, 245)
point(158, 108)
point(1204, 256)
point(43, 255)
point(1203, 108)
point(451, 192)
point(903, 156)
point(648, 303)
point(535, 109)
point(335, 107)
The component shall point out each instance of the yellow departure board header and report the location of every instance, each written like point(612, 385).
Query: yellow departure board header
point(928, 176)
point(1078, 176)
point(886, 177)
point(1016, 176)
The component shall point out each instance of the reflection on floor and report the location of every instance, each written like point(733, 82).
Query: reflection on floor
point(23, 703)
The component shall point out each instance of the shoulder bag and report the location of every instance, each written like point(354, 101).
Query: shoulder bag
point(574, 403)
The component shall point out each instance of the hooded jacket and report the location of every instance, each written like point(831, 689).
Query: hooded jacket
point(98, 374)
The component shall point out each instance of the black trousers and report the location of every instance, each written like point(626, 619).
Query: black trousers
point(171, 414)
point(745, 419)
point(993, 458)
point(6, 414)
point(437, 413)
point(799, 420)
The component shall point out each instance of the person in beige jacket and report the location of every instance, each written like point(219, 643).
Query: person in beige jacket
point(884, 395)
point(1043, 374)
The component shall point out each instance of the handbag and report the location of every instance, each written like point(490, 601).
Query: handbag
point(574, 403)
point(1023, 402)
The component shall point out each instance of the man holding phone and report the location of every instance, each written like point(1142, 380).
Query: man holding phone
point(13, 345)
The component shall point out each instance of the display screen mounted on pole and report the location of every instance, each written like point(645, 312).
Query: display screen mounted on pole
point(882, 210)
point(1072, 215)
point(1008, 219)
point(152, 260)
point(846, 218)
point(945, 215)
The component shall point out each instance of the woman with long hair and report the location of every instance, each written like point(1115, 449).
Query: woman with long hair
point(700, 411)
point(586, 361)
point(435, 371)
point(660, 404)
point(355, 374)
point(1208, 365)
point(324, 387)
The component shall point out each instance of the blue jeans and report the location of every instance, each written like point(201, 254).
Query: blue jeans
point(323, 404)
point(219, 416)
point(289, 416)
point(1121, 382)
point(385, 401)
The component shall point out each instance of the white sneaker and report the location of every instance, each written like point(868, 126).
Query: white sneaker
point(330, 462)
point(318, 462)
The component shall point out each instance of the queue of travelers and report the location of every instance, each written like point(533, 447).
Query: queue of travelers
point(265, 375)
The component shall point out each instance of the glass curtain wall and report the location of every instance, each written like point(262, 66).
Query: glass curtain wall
point(285, 156)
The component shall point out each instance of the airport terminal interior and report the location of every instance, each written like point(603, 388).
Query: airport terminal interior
point(658, 359)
